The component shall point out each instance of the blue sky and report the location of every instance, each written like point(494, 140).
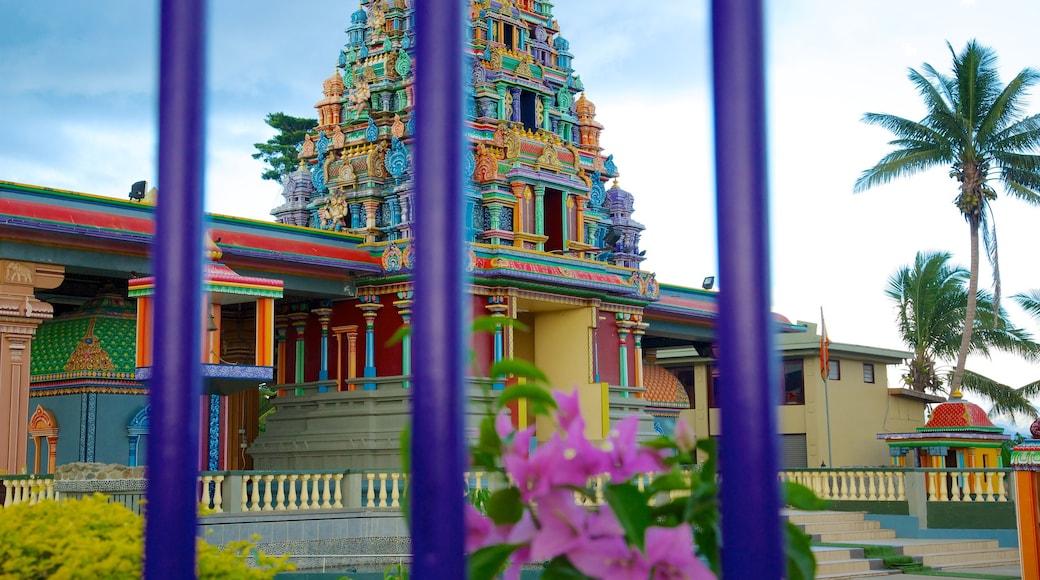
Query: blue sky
point(77, 111)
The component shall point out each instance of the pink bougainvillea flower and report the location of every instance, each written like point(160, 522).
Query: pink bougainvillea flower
point(685, 438)
point(479, 530)
point(562, 525)
point(603, 524)
point(568, 409)
point(625, 457)
point(609, 557)
point(669, 551)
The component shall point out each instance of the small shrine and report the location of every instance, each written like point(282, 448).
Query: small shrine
point(231, 407)
point(1025, 462)
point(958, 434)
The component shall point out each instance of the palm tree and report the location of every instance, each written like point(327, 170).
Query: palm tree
point(977, 128)
point(931, 296)
point(1030, 302)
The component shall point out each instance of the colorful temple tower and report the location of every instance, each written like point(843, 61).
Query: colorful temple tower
point(550, 245)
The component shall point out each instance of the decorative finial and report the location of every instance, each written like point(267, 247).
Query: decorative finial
point(956, 394)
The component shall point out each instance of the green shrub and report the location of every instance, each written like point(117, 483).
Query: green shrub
point(91, 538)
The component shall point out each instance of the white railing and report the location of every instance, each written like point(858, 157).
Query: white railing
point(851, 484)
point(28, 489)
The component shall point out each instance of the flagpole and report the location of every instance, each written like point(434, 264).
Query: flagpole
point(825, 371)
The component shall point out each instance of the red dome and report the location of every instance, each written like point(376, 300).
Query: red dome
point(958, 413)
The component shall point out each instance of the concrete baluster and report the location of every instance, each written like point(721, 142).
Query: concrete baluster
point(279, 498)
point(268, 498)
point(383, 501)
point(1001, 496)
point(305, 483)
point(218, 500)
point(293, 478)
point(395, 496)
point(326, 494)
point(338, 495)
point(370, 495)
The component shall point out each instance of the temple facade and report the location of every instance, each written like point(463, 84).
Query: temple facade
point(308, 307)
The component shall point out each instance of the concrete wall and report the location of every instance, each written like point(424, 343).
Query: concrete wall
point(90, 420)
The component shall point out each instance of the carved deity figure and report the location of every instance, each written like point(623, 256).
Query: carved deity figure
point(333, 215)
point(486, 166)
point(359, 96)
point(375, 160)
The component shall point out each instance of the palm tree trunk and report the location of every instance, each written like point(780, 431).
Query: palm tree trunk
point(969, 322)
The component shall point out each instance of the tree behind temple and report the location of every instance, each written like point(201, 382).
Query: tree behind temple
point(931, 298)
point(280, 152)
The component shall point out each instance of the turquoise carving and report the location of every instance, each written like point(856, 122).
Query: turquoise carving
point(403, 66)
point(372, 132)
point(396, 161)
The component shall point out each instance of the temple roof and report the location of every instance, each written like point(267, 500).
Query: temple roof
point(95, 341)
point(663, 389)
point(958, 415)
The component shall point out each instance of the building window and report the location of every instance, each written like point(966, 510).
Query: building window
point(834, 370)
point(868, 372)
point(794, 382)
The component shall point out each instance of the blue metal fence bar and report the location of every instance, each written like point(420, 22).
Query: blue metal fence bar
point(748, 446)
point(439, 339)
point(176, 385)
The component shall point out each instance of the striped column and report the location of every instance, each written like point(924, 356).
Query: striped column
point(370, 307)
point(404, 308)
point(324, 314)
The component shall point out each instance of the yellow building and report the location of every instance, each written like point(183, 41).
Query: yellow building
point(833, 422)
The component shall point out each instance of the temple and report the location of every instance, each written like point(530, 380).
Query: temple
point(306, 307)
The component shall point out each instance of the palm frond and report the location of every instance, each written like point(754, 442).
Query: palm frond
point(1004, 399)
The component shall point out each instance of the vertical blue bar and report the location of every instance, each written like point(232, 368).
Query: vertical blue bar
point(748, 447)
point(437, 330)
point(176, 386)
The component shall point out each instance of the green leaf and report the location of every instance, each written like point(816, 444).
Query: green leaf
point(672, 480)
point(801, 564)
point(517, 368)
point(535, 394)
point(560, 568)
point(492, 323)
point(406, 467)
point(398, 335)
point(632, 510)
point(800, 497)
point(504, 506)
point(487, 563)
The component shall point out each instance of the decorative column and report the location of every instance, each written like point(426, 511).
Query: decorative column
point(20, 314)
point(370, 220)
point(351, 331)
point(370, 307)
point(498, 306)
point(539, 214)
point(281, 325)
point(264, 346)
point(404, 307)
point(298, 320)
point(518, 215)
point(515, 94)
point(625, 325)
point(501, 89)
point(546, 103)
point(638, 330)
point(579, 220)
point(324, 314)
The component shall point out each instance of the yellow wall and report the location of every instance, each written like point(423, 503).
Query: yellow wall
point(562, 350)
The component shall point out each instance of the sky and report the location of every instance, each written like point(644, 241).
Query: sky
point(78, 111)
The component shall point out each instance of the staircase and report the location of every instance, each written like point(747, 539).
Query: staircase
point(852, 528)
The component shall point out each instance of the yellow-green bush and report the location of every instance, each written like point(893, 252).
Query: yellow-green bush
point(92, 538)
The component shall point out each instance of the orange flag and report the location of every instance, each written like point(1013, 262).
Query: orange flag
point(825, 348)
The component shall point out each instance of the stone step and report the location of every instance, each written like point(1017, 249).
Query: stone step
point(846, 526)
point(853, 537)
point(863, 574)
point(800, 517)
point(925, 547)
point(962, 559)
point(849, 568)
point(829, 554)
